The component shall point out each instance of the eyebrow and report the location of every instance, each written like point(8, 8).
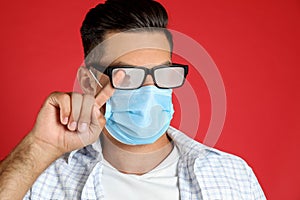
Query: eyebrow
point(121, 63)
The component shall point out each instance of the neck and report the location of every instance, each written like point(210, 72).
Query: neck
point(135, 159)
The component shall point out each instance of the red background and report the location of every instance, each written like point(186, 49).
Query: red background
point(254, 44)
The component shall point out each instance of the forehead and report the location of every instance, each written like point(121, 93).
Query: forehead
point(135, 47)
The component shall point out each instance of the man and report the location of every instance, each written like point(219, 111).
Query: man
point(75, 152)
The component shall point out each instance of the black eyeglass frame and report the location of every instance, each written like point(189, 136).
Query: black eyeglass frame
point(109, 71)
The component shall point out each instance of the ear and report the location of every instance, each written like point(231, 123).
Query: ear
point(86, 81)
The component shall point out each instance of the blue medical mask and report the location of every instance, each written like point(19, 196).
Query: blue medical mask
point(139, 116)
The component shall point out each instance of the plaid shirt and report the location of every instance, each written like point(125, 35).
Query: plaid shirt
point(203, 173)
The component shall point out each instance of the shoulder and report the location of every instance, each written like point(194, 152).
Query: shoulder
point(204, 155)
point(224, 174)
point(219, 160)
point(218, 174)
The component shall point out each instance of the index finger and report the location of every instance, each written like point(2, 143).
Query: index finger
point(107, 91)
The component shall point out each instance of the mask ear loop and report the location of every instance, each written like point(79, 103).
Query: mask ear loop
point(93, 75)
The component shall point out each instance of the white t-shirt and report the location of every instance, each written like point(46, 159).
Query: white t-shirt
point(160, 183)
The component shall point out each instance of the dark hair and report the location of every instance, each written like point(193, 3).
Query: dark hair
point(121, 15)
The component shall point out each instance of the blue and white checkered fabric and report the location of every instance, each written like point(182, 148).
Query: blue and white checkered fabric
point(204, 173)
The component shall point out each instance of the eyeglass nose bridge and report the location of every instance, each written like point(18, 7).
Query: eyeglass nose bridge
point(149, 72)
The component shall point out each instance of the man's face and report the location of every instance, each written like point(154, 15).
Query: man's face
point(139, 49)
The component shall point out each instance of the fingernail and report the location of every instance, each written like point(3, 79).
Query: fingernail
point(65, 120)
point(73, 126)
point(82, 127)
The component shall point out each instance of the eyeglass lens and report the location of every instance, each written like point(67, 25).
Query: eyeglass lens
point(169, 77)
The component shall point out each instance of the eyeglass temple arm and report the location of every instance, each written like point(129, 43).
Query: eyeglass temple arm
point(93, 75)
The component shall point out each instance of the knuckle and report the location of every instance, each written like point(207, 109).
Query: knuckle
point(85, 115)
point(52, 99)
point(58, 97)
point(89, 98)
point(76, 100)
point(53, 95)
point(76, 95)
point(64, 97)
point(102, 120)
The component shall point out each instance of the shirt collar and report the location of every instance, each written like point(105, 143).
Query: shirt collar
point(188, 146)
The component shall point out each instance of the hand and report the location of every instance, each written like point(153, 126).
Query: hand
point(69, 121)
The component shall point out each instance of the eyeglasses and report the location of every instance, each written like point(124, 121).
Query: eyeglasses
point(164, 76)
